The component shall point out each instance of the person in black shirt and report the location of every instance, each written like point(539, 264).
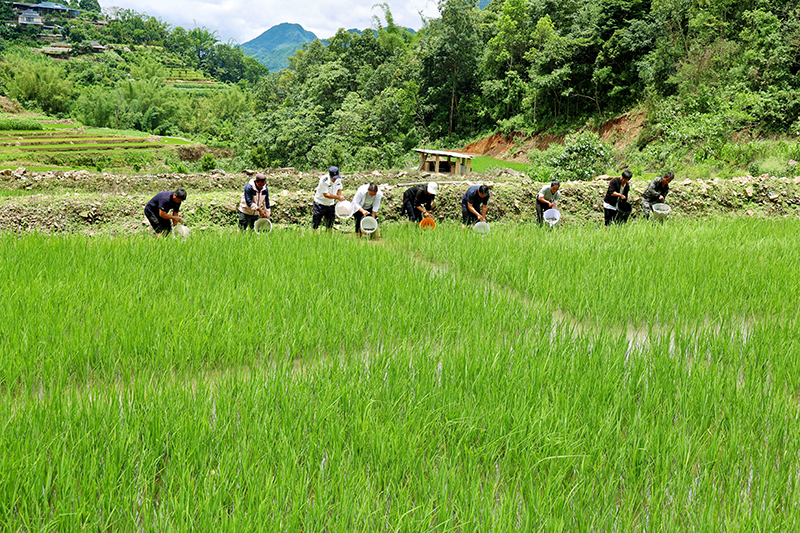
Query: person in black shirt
point(615, 204)
point(474, 205)
point(157, 210)
point(417, 201)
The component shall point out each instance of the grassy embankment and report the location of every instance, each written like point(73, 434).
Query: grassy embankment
point(582, 379)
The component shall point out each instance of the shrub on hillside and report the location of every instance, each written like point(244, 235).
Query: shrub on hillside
point(584, 156)
point(207, 162)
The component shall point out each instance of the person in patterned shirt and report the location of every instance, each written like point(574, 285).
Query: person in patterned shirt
point(656, 192)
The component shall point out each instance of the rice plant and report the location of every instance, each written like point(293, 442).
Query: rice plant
point(525, 380)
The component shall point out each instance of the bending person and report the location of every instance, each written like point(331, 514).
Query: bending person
point(617, 192)
point(329, 190)
point(471, 203)
point(366, 202)
point(417, 201)
point(254, 203)
point(656, 192)
point(157, 210)
point(547, 199)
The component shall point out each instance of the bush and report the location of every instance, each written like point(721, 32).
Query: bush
point(583, 157)
point(207, 162)
point(258, 156)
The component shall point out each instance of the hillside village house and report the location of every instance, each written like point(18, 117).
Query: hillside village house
point(30, 17)
point(44, 9)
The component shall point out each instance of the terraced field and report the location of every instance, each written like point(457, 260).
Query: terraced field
point(60, 146)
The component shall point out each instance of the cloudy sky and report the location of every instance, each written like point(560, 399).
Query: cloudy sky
point(243, 20)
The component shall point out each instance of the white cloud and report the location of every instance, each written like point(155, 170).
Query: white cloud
point(244, 20)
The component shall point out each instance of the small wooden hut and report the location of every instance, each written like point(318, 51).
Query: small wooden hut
point(444, 162)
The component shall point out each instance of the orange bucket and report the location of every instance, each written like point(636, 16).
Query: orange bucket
point(427, 223)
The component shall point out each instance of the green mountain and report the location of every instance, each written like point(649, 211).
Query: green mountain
point(273, 47)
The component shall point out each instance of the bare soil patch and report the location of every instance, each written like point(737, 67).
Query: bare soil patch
point(619, 131)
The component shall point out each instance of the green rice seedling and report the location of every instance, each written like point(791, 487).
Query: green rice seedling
point(429, 381)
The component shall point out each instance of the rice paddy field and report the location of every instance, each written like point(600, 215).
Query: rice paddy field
point(59, 146)
point(635, 378)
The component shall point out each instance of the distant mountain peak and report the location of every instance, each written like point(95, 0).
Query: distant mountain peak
point(280, 36)
point(273, 47)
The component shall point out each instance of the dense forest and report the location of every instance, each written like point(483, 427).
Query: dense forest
point(707, 75)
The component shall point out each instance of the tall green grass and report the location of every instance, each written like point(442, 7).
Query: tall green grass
point(420, 382)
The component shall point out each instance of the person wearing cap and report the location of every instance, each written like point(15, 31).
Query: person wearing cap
point(474, 205)
point(616, 194)
point(157, 210)
point(417, 201)
point(366, 202)
point(547, 199)
point(329, 190)
point(254, 203)
point(656, 192)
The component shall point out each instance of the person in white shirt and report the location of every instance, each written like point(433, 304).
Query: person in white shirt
point(328, 192)
point(366, 202)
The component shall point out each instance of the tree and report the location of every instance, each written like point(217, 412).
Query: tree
point(450, 51)
point(202, 45)
point(90, 5)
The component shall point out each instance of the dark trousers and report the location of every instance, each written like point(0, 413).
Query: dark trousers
point(160, 225)
point(247, 221)
point(540, 209)
point(614, 216)
point(413, 214)
point(320, 212)
point(467, 217)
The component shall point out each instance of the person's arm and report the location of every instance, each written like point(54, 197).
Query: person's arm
point(540, 198)
point(265, 212)
point(336, 196)
point(619, 192)
point(174, 218)
point(544, 200)
point(422, 203)
point(484, 209)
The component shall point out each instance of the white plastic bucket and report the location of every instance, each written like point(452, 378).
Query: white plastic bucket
point(180, 231)
point(262, 225)
point(481, 227)
point(660, 211)
point(369, 224)
point(552, 216)
point(344, 209)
